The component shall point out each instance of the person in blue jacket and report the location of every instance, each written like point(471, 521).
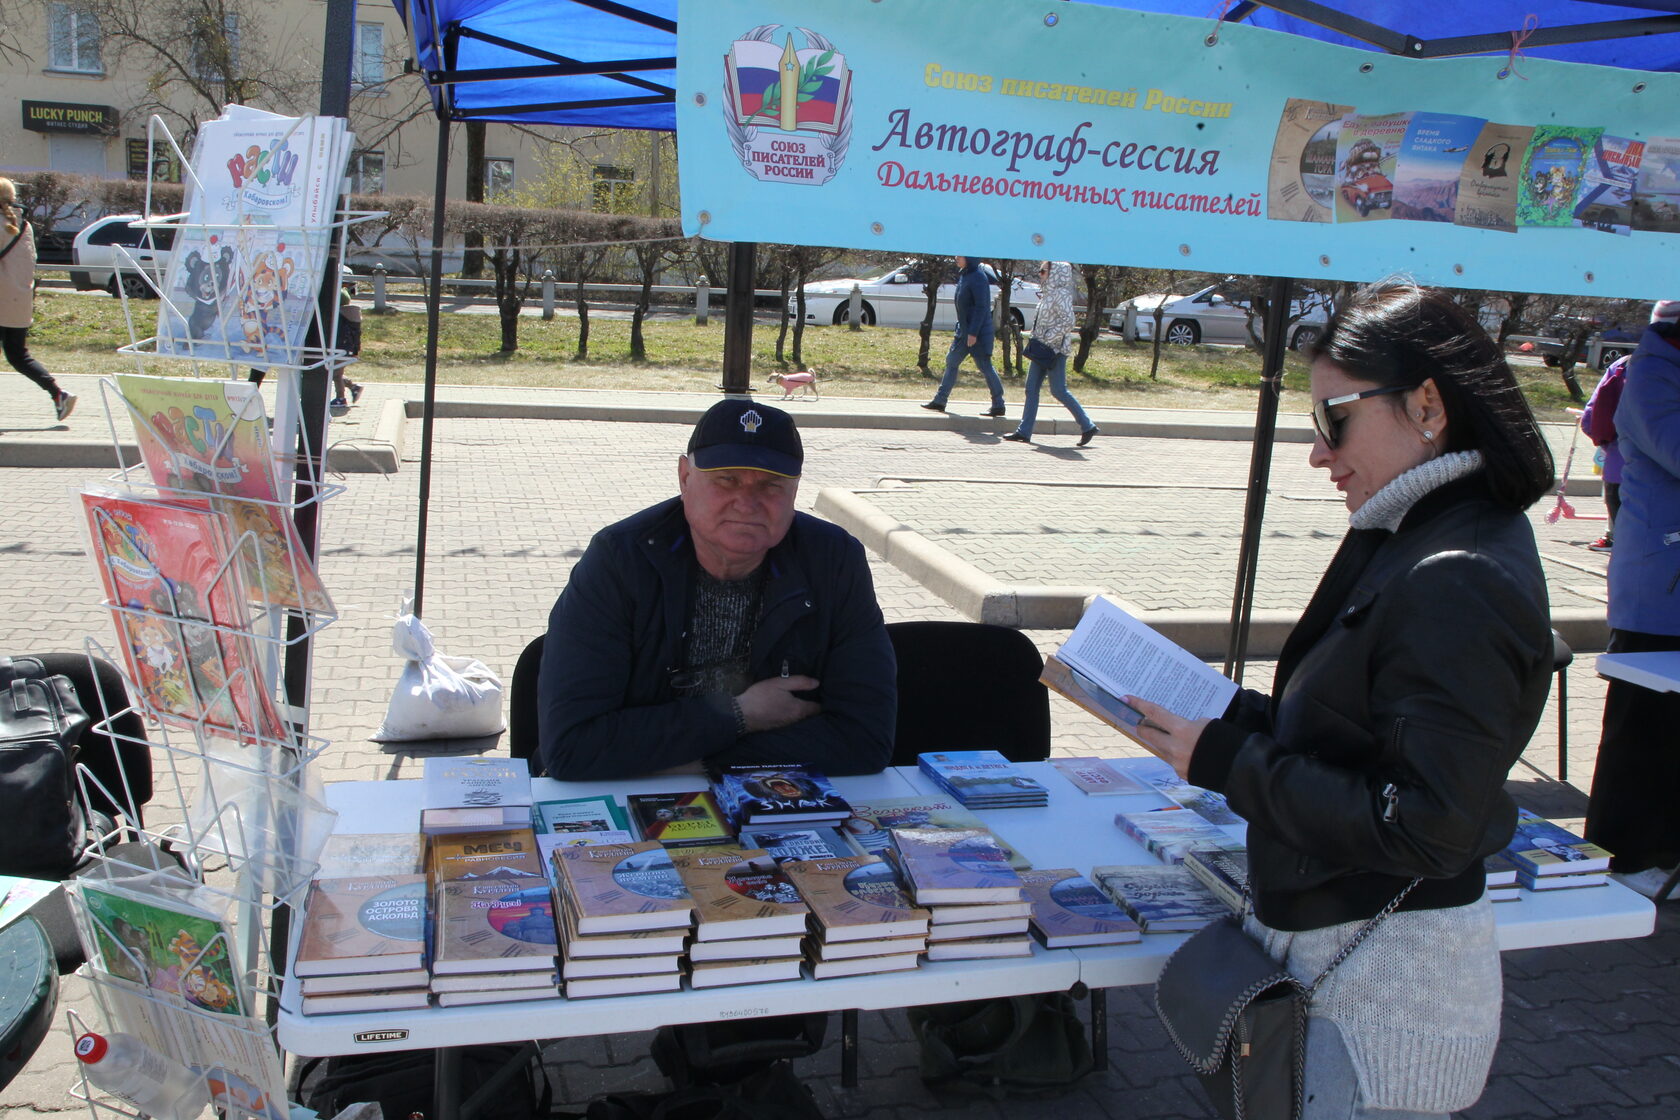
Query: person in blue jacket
point(974, 335)
point(720, 626)
point(1631, 810)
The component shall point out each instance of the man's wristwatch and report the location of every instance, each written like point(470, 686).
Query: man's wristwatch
point(740, 716)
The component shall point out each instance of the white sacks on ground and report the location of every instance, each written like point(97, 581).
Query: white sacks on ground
point(438, 697)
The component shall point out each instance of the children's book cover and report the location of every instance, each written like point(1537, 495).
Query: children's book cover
point(1367, 154)
point(1301, 186)
point(1606, 199)
point(1488, 179)
point(1431, 165)
point(169, 560)
point(202, 436)
point(162, 943)
point(1554, 168)
point(1656, 191)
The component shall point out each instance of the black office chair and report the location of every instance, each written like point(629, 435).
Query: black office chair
point(969, 686)
point(522, 706)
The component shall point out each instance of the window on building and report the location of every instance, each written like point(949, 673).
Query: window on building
point(367, 172)
point(73, 39)
point(614, 187)
point(498, 179)
point(215, 54)
point(368, 66)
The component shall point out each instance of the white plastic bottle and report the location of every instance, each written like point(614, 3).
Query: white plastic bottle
point(154, 1083)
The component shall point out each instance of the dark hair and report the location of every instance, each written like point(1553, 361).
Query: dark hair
point(1398, 333)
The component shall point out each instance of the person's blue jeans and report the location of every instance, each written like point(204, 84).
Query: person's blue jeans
point(981, 352)
point(1058, 389)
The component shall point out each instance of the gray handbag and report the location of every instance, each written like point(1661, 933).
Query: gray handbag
point(1240, 1019)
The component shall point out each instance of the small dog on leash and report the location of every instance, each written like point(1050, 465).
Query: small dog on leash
point(805, 381)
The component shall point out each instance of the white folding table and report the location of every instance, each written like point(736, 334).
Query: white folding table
point(1075, 830)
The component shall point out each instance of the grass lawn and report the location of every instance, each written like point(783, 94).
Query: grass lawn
point(77, 333)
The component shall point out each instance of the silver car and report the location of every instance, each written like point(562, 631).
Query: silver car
point(1215, 314)
point(893, 297)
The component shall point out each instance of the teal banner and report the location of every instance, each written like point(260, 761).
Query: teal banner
point(1036, 129)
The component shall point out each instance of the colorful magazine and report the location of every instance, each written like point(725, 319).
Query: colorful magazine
point(1606, 200)
point(1656, 190)
point(162, 942)
point(200, 436)
point(1301, 186)
point(1431, 165)
point(1554, 168)
point(180, 612)
point(1367, 155)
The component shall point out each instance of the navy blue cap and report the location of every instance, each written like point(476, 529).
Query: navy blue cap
point(740, 434)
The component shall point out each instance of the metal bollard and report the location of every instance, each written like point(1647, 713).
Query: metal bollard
point(1128, 324)
point(379, 289)
point(702, 301)
point(854, 308)
point(548, 293)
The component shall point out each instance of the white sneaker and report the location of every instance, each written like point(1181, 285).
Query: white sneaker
point(1647, 882)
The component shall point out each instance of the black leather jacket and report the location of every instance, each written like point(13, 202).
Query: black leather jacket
point(1409, 689)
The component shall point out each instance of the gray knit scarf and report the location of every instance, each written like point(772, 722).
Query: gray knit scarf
point(1388, 507)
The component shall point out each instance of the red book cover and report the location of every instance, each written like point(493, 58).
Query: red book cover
point(165, 571)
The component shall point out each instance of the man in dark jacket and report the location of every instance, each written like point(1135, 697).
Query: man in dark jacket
point(974, 335)
point(720, 625)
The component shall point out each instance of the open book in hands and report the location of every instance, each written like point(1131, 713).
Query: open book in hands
point(1110, 654)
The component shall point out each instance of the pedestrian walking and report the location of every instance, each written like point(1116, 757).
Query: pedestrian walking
point(974, 336)
point(1048, 349)
point(1598, 420)
point(17, 299)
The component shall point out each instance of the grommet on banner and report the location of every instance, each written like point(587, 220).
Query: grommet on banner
point(1324, 259)
point(1038, 239)
point(1184, 250)
point(1588, 277)
point(1218, 17)
point(1052, 20)
point(877, 228)
point(1366, 67)
point(1638, 87)
point(699, 99)
point(1458, 270)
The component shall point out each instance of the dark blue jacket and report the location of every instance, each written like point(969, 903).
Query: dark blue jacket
point(606, 706)
point(974, 305)
point(1644, 567)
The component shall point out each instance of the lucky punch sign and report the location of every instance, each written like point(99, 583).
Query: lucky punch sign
point(1023, 129)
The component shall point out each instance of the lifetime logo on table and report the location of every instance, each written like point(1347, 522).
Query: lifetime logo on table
point(788, 110)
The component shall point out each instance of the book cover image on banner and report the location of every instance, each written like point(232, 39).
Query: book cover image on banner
point(1431, 162)
point(1302, 184)
point(1367, 152)
point(1487, 184)
point(1606, 200)
point(1656, 191)
point(1553, 168)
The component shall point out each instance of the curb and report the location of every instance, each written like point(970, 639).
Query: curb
point(984, 598)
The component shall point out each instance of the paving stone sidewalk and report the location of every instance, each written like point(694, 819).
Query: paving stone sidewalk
point(1590, 1030)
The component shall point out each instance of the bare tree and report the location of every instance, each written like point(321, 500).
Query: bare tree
point(648, 254)
point(1101, 284)
point(934, 272)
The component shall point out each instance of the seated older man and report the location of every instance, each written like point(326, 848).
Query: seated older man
point(720, 625)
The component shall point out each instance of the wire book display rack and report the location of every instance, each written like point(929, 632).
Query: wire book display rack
point(178, 919)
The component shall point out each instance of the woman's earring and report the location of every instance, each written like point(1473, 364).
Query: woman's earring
point(1428, 437)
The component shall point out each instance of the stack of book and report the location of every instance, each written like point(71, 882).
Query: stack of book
point(1549, 857)
point(1222, 871)
point(679, 820)
point(749, 919)
point(975, 900)
point(1502, 884)
point(494, 937)
point(983, 779)
point(778, 795)
point(1171, 832)
point(363, 944)
point(1069, 910)
point(624, 918)
point(1160, 899)
point(475, 794)
point(799, 842)
point(861, 919)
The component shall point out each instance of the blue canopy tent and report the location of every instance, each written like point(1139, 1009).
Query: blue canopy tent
point(613, 63)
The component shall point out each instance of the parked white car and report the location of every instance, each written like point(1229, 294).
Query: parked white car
point(93, 255)
point(893, 297)
point(1216, 314)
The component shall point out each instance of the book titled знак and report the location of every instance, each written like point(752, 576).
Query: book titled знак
point(778, 795)
point(1110, 654)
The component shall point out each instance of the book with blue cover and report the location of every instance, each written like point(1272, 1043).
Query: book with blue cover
point(982, 779)
point(1169, 833)
point(1540, 848)
point(1160, 899)
point(785, 793)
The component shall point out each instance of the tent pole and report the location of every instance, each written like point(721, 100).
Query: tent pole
point(738, 318)
point(434, 307)
point(1259, 472)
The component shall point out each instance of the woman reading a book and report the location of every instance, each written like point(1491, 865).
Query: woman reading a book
point(1414, 678)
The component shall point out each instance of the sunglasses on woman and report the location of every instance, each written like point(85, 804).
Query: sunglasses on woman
point(1329, 428)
